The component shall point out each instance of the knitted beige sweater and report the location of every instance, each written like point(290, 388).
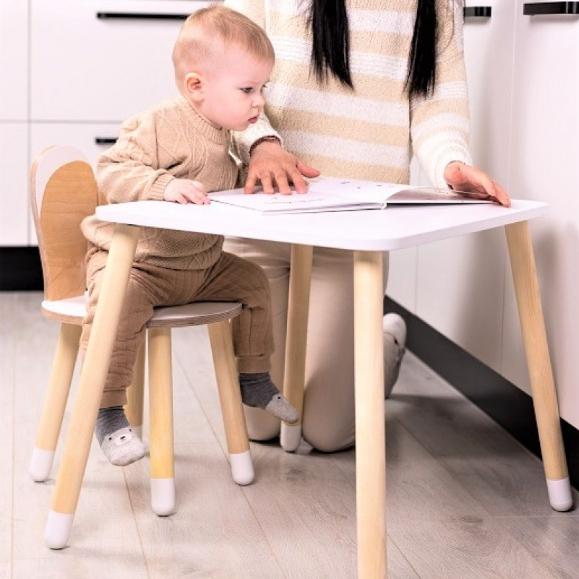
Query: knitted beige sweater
point(369, 133)
point(167, 142)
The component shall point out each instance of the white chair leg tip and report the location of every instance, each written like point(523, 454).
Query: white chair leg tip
point(290, 436)
point(163, 496)
point(57, 532)
point(560, 496)
point(40, 464)
point(242, 468)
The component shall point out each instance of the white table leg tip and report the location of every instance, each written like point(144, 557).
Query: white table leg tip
point(57, 531)
point(290, 436)
point(163, 496)
point(40, 464)
point(242, 468)
point(560, 495)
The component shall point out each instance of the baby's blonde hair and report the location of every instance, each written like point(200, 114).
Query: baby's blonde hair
point(200, 32)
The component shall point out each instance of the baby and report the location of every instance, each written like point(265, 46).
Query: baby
point(178, 151)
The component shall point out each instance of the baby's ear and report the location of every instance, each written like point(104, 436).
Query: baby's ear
point(194, 85)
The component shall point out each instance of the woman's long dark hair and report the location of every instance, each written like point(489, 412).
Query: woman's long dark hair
point(331, 45)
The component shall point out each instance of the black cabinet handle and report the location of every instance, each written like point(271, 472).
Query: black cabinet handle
point(478, 12)
point(140, 16)
point(542, 8)
point(105, 140)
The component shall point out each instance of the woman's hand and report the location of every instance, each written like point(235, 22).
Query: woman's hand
point(275, 168)
point(472, 180)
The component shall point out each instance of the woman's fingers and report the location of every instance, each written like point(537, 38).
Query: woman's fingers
point(277, 169)
point(266, 183)
point(282, 183)
point(501, 195)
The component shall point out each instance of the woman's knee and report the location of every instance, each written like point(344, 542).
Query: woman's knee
point(328, 439)
point(261, 426)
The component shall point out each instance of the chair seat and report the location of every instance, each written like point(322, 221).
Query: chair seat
point(73, 310)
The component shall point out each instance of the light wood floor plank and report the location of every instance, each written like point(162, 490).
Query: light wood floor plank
point(464, 499)
point(214, 532)
point(470, 445)
point(104, 523)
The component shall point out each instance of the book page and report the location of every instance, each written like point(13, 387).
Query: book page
point(332, 194)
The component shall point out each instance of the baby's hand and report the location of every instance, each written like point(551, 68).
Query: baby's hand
point(186, 191)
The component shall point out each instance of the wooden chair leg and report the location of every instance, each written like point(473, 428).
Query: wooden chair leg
point(539, 365)
point(136, 393)
point(230, 399)
point(370, 424)
point(90, 388)
point(161, 422)
point(55, 403)
point(296, 340)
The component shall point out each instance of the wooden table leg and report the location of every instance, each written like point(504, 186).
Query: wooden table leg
point(92, 380)
point(296, 340)
point(370, 424)
point(539, 365)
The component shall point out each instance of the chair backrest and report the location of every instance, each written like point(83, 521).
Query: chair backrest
point(63, 192)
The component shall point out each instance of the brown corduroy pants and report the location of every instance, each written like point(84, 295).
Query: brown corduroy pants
point(230, 279)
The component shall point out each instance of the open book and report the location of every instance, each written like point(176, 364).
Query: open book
point(330, 194)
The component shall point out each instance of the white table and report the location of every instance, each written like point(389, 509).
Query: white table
point(367, 234)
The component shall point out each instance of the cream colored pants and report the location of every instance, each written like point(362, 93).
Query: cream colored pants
point(328, 419)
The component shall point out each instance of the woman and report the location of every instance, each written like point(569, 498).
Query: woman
point(358, 85)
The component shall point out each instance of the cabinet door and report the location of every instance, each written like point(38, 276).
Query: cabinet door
point(14, 60)
point(544, 161)
point(14, 188)
point(86, 137)
point(88, 67)
point(460, 281)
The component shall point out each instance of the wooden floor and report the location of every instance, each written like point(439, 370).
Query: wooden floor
point(464, 499)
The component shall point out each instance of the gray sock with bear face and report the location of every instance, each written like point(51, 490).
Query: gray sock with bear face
point(118, 440)
point(258, 391)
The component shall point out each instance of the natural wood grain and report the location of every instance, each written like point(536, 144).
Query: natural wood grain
point(537, 349)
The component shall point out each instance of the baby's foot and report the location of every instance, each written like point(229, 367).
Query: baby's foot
point(118, 440)
point(259, 391)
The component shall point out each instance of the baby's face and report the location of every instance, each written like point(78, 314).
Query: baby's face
point(233, 89)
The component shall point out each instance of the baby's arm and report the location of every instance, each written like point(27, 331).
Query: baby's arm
point(131, 169)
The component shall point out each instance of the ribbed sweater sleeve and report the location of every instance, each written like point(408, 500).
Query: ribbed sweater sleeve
point(439, 124)
point(130, 170)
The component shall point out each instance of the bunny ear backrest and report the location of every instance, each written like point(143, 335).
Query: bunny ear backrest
point(63, 192)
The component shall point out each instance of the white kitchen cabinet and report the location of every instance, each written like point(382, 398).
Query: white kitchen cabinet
point(14, 184)
point(14, 60)
point(88, 67)
point(460, 281)
point(544, 165)
point(84, 136)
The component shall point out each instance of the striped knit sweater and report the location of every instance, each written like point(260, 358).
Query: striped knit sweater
point(372, 132)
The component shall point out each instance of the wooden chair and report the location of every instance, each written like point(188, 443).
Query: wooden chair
point(63, 192)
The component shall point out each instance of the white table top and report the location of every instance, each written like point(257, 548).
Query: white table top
point(376, 230)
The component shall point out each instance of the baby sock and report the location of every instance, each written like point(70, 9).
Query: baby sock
point(259, 391)
point(118, 440)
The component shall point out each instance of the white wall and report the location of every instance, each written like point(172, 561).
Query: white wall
point(523, 77)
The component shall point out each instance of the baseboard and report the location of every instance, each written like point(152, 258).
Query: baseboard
point(20, 269)
point(506, 404)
